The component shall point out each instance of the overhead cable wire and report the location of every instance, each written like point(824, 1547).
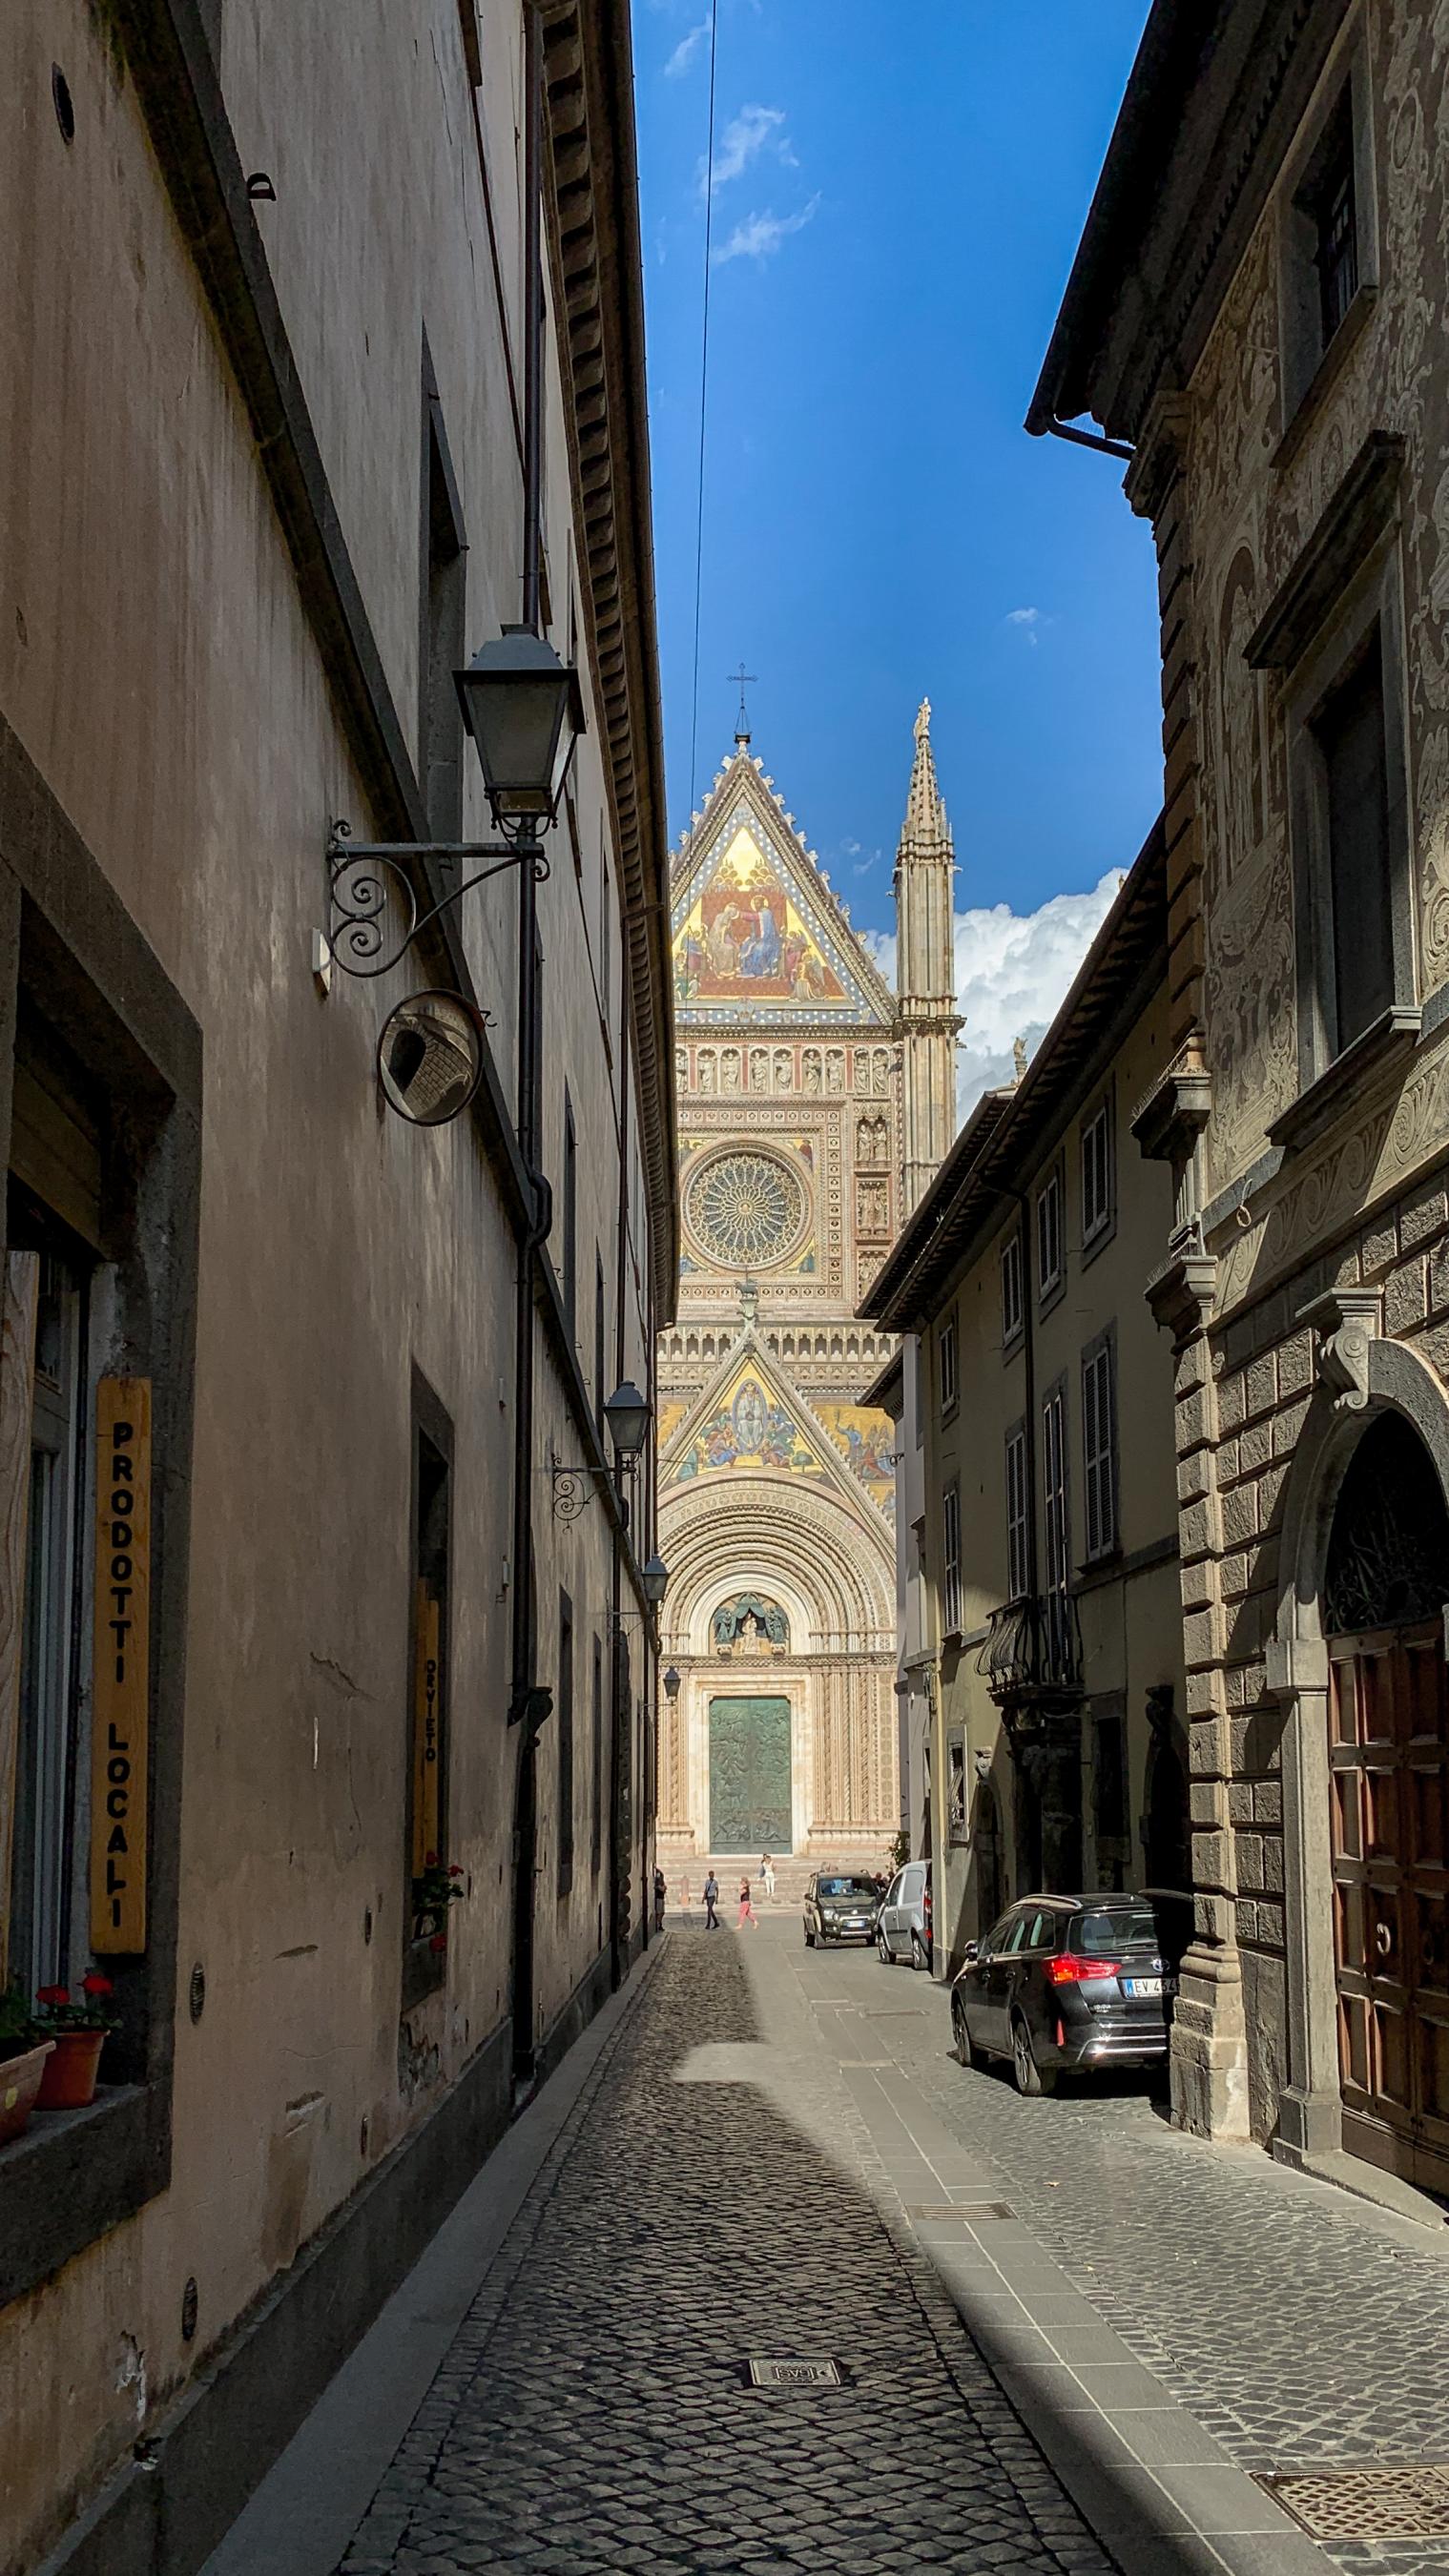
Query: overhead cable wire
point(703, 394)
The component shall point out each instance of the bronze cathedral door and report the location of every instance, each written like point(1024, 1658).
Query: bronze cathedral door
point(749, 1777)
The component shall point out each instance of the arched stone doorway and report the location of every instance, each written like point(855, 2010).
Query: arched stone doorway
point(1385, 1584)
point(1357, 1663)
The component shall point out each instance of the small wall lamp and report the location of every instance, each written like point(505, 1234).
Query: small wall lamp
point(628, 1415)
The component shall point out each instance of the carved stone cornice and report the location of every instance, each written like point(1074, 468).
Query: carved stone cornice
point(1161, 454)
point(1168, 1121)
point(594, 248)
point(1344, 1323)
point(1180, 1295)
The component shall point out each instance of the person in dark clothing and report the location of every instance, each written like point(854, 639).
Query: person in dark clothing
point(659, 1894)
point(711, 1900)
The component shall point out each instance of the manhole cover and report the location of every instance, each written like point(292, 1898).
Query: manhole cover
point(969, 2209)
point(793, 2374)
point(1387, 2503)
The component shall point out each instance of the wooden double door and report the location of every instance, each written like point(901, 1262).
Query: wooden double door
point(1388, 1717)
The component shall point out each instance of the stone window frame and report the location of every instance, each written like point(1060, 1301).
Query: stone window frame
point(1017, 1491)
point(67, 940)
point(1346, 585)
point(1309, 365)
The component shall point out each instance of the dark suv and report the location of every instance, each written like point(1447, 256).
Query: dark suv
point(1072, 1981)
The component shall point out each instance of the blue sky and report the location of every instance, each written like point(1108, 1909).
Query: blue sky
point(894, 215)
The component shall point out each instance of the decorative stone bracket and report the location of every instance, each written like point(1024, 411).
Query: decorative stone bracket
point(1345, 1321)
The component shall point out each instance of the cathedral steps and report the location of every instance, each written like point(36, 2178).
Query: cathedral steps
point(792, 1876)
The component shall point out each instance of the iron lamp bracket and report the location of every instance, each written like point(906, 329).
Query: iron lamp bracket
point(366, 877)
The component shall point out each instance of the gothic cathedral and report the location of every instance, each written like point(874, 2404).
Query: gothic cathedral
point(814, 1107)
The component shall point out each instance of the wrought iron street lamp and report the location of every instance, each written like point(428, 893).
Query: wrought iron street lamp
point(525, 712)
point(628, 1415)
point(654, 1581)
point(672, 1685)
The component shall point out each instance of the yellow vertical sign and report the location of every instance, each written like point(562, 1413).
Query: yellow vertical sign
point(122, 1672)
point(427, 1730)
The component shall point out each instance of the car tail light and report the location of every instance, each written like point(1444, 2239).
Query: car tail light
point(926, 1909)
point(1069, 1970)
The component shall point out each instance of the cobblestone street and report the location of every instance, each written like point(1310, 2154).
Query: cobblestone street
point(772, 2154)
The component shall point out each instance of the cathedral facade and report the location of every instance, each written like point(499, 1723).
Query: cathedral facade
point(814, 1105)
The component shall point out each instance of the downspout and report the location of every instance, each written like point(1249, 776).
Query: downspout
point(520, 1704)
point(527, 1707)
point(1054, 428)
point(620, 1839)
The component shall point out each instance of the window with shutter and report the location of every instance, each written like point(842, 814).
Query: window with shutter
point(1018, 1555)
point(1096, 1174)
point(1099, 1447)
point(951, 1559)
point(1049, 1235)
point(1056, 1526)
point(1011, 1309)
point(1351, 739)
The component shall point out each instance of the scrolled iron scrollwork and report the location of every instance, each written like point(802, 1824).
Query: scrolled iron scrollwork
point(364, 876)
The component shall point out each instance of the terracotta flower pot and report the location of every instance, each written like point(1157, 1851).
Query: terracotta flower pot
point(19, 2084)
point(68, 2082)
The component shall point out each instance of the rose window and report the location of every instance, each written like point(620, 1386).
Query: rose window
point(745, 1209)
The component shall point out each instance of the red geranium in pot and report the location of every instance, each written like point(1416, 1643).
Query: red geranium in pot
point(23, 2058)
point(79, 2029)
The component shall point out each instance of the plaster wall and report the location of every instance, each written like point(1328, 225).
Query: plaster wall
point(1129, 1605)
point(157, 665)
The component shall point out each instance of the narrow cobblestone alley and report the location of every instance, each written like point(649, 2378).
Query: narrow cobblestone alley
point(768, 2156)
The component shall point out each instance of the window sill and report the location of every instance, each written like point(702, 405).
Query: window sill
point(1012, 1342)
point(1051, 1293)
point(1387, 1038)
point(71, 2177)
point(1323, 379)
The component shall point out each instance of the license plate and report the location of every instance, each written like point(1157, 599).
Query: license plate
point(1142, 1985)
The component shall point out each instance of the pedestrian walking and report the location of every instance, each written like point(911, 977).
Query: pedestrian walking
point(684, 1898)
point(767, 1873)
point(659, 1896)
point(747, 1911)
point(711, 1900)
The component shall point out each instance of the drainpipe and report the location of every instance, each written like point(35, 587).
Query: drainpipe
point(1054, 428)
point(524, 1708)
point(621, 1856)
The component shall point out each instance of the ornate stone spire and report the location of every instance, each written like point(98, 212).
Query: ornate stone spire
point(925, 825)
point(925, 972)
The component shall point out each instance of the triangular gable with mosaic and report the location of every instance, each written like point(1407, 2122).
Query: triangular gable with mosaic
point(758, 935)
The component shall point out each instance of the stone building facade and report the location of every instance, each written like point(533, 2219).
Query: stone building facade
point(1255, 318)
point(1042, 1634)
point(265, 331)
point(800, 1078)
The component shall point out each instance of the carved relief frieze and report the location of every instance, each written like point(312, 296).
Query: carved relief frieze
point(1250, 1005)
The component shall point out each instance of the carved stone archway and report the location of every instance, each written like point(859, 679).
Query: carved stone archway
point(1359, 1382)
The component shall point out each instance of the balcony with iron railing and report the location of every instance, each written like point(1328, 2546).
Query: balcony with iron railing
point(1032, 1655)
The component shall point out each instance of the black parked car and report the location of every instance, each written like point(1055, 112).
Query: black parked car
point(840, 1905)
point(1072, 1981)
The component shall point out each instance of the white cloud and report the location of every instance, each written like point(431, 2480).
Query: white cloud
point(761, 235)
point(753, 131)
point(1013, 972)
point(685, 51)
point(1027, 621)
